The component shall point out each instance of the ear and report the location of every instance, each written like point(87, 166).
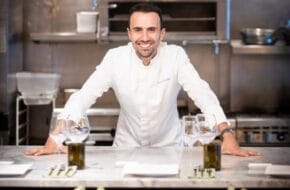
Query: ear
point(129, 33)
point(162, 33)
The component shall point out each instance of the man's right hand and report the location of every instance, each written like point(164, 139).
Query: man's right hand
point(49, 148)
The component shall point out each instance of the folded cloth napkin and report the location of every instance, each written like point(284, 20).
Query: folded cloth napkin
point(8, 168)
point(278, 170)
point(145, 169)
point(257, 168)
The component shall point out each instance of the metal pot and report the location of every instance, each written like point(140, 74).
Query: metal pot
point(257, 36)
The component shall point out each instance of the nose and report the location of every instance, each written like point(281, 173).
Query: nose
point(144, 36)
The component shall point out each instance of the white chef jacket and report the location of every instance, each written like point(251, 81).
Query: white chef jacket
point(147, 94)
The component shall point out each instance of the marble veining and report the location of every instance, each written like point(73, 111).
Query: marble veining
point(102, 170)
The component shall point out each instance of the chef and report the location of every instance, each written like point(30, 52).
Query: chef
point(146, 76)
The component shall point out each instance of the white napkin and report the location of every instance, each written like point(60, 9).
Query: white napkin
point(278, 170)
point(14, 169)
point(257, 168)
point(146, 169)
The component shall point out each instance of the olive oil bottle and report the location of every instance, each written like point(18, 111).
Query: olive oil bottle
point(76, 155)
point(212, 155)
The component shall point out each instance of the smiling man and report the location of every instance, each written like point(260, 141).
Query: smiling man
point(146, 76)
point(146, 33)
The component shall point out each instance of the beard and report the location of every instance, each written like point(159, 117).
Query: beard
point(145, 52)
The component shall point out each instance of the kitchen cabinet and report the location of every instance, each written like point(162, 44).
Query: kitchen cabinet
point(102, 169)
point(193, 22)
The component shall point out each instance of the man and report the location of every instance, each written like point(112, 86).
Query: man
point(146, 76)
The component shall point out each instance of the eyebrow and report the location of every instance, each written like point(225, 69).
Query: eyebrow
point(149, 28)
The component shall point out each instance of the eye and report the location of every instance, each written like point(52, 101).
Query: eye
point(137, 29)
point(152, 29)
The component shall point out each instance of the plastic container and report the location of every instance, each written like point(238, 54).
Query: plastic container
point(37, 88)
point(87, 21)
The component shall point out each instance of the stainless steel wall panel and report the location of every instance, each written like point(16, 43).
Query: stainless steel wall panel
point(3, 55)
point(10, 62)
point(260, 84)
point(258, 13)
point(232, 78)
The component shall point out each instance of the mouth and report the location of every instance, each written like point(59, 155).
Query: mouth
point(144, 45)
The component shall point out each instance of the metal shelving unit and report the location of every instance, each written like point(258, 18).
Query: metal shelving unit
point(20, 125)
point(47, 37)
point(23, 124)
point(239, 48)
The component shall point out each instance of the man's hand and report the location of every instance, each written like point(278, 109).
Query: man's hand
point(231, 146)
point(49, 148)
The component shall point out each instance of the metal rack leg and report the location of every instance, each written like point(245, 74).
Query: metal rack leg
point(17, 136)
point(27, 126)
point(17, 119)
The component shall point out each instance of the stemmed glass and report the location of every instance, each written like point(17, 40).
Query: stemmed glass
point(62, 129)
point(207, 128)
point(77, 133)
point(202, 128)
point(190, 130)
point(207, 132)
point(57, 132)
point(199, 128)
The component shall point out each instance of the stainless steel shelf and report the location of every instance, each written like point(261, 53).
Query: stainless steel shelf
point(239, 48)
point(59, 37)
point(176, 37)
point(97, 111)
point(63, 37)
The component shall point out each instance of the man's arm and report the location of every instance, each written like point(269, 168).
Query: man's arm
point(231, 146)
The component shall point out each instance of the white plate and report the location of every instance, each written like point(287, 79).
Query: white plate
point(154, 170)
point(6, 162)
point(258, 166)
point(278, 170)
point(14, 169)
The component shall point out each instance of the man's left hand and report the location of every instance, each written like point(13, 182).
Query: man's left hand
point(231, 146)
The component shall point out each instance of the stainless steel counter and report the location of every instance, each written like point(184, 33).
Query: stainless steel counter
point(101, 169)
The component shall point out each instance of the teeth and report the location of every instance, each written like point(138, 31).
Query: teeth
point(144, 45)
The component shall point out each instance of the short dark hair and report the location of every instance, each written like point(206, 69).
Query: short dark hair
point(146, 8)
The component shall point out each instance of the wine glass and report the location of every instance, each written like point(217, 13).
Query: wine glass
point(190, 130)
point(57, 130)
point(77, 132)
point(57, 133)
point(207, 125)
point(207, 128)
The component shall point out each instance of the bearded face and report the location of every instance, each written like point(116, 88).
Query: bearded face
point(145, 34)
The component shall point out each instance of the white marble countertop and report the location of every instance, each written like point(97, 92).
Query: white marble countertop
point(101, 168)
